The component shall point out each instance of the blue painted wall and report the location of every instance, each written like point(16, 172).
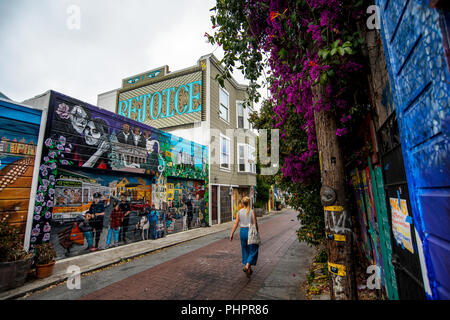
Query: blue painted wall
point(413, 42)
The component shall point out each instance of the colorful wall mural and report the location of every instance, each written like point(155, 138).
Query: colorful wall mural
point(93, 156)
point(19, 132)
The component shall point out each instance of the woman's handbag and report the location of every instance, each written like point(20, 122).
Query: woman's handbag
point(253, 235)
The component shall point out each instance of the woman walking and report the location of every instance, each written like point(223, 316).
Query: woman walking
point(249, 252)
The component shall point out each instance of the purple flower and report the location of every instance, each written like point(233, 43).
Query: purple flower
point(48, 215)
point(46, 228)
point(51, 191)
point(64, 162)
point(36, 231)
point(62, 139)
point(67, 150)
point(60, 147)
point(340, 132)
point(45, 173)
point(37, 217)
point(38, 209)
point(52, 154)
point(48, 142)
point(53, 166)
point(45, 183)
point(51, 178)
point(46, 159)
point(46, 237)
point(50, 203)
point(40, 197)
point(63, 111)
point(33, 239)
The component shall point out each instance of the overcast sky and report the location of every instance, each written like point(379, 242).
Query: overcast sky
point(42, 48)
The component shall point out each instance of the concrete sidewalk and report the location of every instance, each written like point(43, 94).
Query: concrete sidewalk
point(100, 259)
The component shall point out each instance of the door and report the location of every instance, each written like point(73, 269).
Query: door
point(214, 204)
point(405, 256)
point(225, 204)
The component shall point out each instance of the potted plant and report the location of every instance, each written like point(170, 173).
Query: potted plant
point(15, 261)
point(45, 259)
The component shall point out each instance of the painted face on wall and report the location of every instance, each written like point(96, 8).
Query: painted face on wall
point(92, 134)
point(78, 118)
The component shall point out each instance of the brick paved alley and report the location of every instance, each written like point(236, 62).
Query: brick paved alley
point(213, 271)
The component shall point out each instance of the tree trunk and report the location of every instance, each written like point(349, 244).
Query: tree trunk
point(333, 197)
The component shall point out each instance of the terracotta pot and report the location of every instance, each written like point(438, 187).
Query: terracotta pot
point(44, 270)
point(14, 274)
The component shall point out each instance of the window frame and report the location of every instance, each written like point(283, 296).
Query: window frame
point(246, 115)
point(222, 136)
point(251, 167)
point(227, 120)
point(239, 157)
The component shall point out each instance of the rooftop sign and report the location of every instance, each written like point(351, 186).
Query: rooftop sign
point(174, 101)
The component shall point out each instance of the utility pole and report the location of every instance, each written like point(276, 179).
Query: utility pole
point(333, 198)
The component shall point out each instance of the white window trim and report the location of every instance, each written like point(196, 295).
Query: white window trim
point(247, 112)
point(246, 158)
point(228, 108)
point(254, 158)
point(229, 153)
point(239, 158)
point(237, 113)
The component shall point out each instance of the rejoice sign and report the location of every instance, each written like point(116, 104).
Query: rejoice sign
point(159, 105)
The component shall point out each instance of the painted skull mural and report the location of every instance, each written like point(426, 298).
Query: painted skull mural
point(93, 156)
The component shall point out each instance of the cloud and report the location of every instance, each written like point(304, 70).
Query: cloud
point(116, 39)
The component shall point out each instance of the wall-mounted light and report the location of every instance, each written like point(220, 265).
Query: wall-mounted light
point(215, 179)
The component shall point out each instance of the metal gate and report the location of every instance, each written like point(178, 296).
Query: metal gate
point(406, 263)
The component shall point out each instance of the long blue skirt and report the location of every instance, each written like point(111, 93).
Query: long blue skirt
point(249, 252)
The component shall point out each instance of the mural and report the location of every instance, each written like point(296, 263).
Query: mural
point(102, 173)
point(19, 131)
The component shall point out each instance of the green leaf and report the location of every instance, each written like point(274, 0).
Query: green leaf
point(347, 44)
point(323, 78)
point(333, 51)
point(348, 50)
point(283, 53)
point(341, 51)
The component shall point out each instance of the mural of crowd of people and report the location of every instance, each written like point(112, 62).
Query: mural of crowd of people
point(103, 142)
point(106, 180)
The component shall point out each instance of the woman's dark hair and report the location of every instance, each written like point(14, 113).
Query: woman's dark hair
point(101, 125)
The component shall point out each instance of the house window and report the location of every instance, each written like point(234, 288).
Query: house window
point(224, 152)
point(224, 104)
point(240, 114)
point(246, 158)
point(243, 116)
point(251, 159)
point(241, 153)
